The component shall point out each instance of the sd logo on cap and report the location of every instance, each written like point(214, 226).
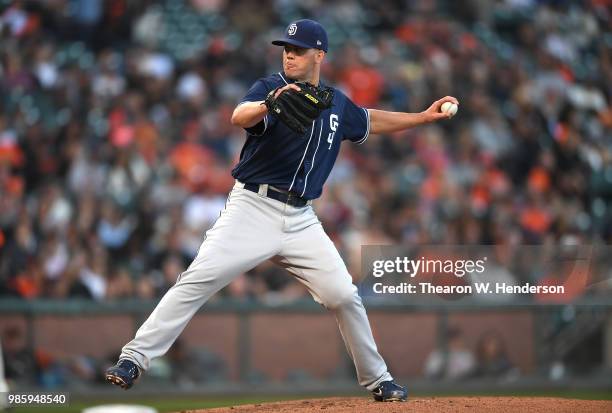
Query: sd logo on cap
point(305, 33)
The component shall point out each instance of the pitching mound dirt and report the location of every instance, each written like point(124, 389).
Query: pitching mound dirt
point(424, 405)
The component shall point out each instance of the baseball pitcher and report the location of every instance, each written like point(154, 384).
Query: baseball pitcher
point(294, 126)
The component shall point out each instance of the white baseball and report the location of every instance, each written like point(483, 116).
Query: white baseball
point(450, 108)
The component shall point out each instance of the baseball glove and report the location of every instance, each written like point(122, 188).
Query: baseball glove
point(298, 110)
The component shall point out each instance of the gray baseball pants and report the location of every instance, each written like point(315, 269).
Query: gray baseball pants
point(253, 228)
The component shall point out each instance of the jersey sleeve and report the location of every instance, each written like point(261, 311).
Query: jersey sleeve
point(256, 93)
point(356, 123)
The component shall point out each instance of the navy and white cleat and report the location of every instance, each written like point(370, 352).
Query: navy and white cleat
point(387, 391)
point(123, 374)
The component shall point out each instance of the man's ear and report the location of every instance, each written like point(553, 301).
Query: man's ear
point(319, 55)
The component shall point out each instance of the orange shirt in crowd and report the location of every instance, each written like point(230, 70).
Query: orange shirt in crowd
point(364, 84)
point(535, 219)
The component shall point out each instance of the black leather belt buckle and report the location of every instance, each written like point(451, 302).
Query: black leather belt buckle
point(286, 198)
point(296, 201)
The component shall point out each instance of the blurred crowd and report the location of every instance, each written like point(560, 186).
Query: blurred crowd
point(116, 145)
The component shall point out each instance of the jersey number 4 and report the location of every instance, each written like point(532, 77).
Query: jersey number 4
point(333, 125)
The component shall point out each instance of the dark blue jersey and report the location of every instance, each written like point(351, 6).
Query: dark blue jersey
point(274, 154)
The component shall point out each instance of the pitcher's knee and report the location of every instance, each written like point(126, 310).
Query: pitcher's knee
point(341, 299)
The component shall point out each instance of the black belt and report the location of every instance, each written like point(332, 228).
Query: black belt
point(284, 197)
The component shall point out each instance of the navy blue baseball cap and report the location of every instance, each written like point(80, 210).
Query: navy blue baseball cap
point(305, 33)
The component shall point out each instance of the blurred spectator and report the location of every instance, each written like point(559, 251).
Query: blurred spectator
point(172, 267)
point(274, 286)
point(192, 366)
point(492, 359)
point(454, 362)
point(20, 363)
point(187, 367)
point(119, 285)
